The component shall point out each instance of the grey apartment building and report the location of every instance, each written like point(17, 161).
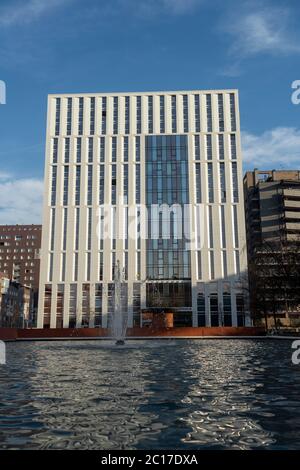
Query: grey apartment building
point(272, 207)
point(125, 153)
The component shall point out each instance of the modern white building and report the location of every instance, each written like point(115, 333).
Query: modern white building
point(123, 154)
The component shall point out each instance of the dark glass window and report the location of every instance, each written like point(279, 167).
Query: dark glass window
point(166, 183)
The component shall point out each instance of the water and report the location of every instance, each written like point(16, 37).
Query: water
point(119, 319)
point(188, 394)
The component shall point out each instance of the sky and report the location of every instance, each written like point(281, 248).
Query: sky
point(76, 46)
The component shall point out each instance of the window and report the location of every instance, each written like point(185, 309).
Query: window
point(73, 306)
point(226, 320)
point(214, 310)
point(198, 183)
point(52, 232)
point(210, 228)
point(185, 114)
point(127, 114)
point(69, 116)
point(125, 149)
point(138, 114)
point(66, 185)
point(90, 185)
point(197, 147)
point(137, 184)
point(223, 227)
point(78, 150)
point(235, 191)
point(57, 116)
point(113, 184)
point(98, 305)
point(89, 229)
point(63, 267)
point(240, 310)
point(103, 120)
point(101, 184)
point(222, 183)
point(221, 146)
point(114, 149)
point(199, 265)
point(53, 185)
point(221, 112)
point(137, 149)
point(67, 150)
point(210, 182)
point(92, 116)
point(102, 149)
point(77, 225)
point(54, 150)
point(150, 114)
point(77, 185)
point(65, 226)
point(232, 112)
point(235, 227)
point(80, 117)
point(162, 113)
point(237, 262)
point(101, 266)
point(90, 149)
point(201, 309)
point(224, 261)
point(75, 267)
point(174, 114)
point(233, 146)
point(208, 113)
point(197, 113)
point(50, 274)
point(125, 184)
point(115, 114)
point(209, 147)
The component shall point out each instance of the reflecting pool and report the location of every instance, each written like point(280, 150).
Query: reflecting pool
point(183, 394)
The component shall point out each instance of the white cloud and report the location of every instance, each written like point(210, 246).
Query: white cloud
point(27, 11)
point(20, 200)
point(265, 30)
point(273, 149)
point(4, 176)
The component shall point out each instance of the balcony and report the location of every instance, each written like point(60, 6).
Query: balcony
point(292, 215)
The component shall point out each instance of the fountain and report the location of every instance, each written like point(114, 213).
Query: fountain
point(119, 318)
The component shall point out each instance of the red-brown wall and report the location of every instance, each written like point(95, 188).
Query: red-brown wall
point(13, 333)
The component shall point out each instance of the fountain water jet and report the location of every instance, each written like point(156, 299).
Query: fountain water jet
point(119, 317)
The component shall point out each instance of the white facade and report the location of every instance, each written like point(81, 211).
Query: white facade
point(87, 160)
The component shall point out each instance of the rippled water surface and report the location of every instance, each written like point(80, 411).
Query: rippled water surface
point(205, 394)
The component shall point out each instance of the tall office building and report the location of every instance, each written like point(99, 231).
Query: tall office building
point(111, 159)
point(272, 207)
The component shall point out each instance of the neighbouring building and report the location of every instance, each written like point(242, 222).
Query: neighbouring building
point(110, 158)
point(272, 207)
point(20, 258)
point(4, 284)
point(16, 305)
point(20, 253)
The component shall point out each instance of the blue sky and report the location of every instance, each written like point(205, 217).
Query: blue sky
point(50, 46)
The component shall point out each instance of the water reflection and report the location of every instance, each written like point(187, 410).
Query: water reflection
point(196, 394)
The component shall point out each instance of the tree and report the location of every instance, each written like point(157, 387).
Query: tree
point(274, 275)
